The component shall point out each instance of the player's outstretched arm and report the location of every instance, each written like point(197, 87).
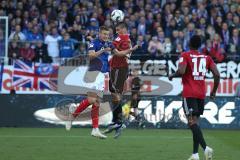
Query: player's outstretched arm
point(216, 77)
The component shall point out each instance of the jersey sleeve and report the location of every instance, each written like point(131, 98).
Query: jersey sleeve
point(183, 59)
point(92, 46)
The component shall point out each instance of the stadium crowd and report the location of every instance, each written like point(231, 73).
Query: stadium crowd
point(44, 30)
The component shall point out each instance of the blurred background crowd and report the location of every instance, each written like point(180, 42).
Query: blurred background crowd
point(45, 30)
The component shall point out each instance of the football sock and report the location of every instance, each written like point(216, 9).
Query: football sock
point(95, 115)
point(117, 113)
point(197, 138)
point(82, 106)
point(201, 139)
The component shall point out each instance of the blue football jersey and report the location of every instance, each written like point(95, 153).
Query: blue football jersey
point(99, 63)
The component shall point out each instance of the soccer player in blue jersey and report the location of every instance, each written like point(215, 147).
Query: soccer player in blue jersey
point(98, 53)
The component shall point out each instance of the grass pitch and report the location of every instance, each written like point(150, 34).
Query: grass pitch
point(58, 144)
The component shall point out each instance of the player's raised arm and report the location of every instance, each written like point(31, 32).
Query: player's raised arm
point(216, 76)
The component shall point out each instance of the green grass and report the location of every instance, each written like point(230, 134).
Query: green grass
point(58, 144)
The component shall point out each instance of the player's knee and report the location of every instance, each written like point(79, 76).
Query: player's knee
point(92, 100)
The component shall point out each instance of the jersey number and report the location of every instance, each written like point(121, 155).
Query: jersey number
point(201, 68)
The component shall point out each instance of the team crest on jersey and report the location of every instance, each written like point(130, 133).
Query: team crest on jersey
point(118, 39)
point(91, 45)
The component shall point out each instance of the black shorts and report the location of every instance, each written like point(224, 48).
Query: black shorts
point(193, 106)
point(118, 76)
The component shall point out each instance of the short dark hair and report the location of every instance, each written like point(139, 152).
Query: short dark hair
point(122, 25)
point(103, 28)
point(195, 42)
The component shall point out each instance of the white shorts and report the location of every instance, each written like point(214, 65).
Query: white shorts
point(87, 81)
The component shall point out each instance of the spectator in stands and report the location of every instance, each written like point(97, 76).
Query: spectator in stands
point(75, 32)
point(62, 24)
point(143, 49)
point(236, 22)
point(82, 49)
point(155, 47)
point(17, 34)
point(41, 53)
point(134, 36)
point(201, 11)
point(160, 35)
point(179, 20)
point(66, 46)
point(28, 29)
point(27, 53)
point(217, 48)
point(234, 44)
point(174, 38)
point(167, 47)
point(170, 28)
point(142, 27)
point(52, 44)
point(225, 35)
point(189, 32)
point(218, 25)
point(178, 50)
point(93, 25)
point(202, 24)
point(35, 35)
point(13, 52)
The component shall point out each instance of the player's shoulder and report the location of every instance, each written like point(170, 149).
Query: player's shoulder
point(185, 54)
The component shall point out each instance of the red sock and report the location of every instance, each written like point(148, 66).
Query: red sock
point(82, 106)
point(94, 114)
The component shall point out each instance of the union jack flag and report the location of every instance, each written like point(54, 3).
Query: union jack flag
point(35, 76)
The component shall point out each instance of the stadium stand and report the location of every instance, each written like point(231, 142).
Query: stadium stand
point(163, 27)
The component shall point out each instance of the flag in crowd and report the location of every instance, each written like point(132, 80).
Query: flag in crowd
point(37, 76)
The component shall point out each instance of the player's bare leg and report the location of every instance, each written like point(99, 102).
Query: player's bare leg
point(95, 119)
point(93, 100)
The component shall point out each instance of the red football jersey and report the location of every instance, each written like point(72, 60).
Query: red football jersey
point(193, 79)
point(121, 43)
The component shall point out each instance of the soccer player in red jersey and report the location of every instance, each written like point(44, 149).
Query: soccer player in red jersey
point(118, 75)
point(192, 68)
